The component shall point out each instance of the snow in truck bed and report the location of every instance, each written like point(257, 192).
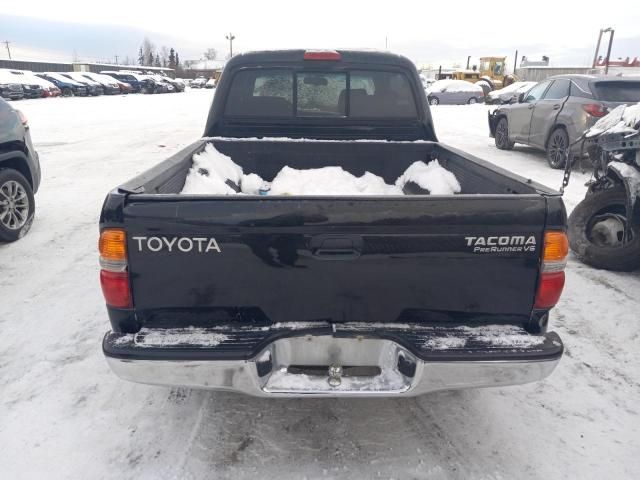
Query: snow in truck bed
point(214, 173)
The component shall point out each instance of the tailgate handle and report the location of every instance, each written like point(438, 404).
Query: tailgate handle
point(336, 248)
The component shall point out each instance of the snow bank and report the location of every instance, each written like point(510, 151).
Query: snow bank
point(214, 173)
point(622, 119)
point(431, 177)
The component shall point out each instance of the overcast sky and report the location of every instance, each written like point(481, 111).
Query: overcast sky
point(425, 32)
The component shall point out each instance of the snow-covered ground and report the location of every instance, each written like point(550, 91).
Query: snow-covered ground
point(64, 415)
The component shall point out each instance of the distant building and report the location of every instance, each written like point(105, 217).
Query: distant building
point(525, 62)
point(203, 68)
point(78, 67)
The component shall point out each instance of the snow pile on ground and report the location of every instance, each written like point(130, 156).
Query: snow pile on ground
point(622, 119)
point(214, 173)
point(431, 177)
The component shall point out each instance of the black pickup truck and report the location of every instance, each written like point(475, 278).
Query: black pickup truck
point(330, 295)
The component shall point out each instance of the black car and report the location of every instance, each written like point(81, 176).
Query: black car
point(19, 174)
point(11, 91)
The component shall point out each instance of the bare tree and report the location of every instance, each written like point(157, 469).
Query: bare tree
point(211, 54)
point(148, 49)
point(164, 55)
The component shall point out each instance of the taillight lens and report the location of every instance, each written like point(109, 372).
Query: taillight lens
point(554, 260)
point(595, 109)
point(114, 277)
point(23, 118)
point(113, 250)
point(115, 288)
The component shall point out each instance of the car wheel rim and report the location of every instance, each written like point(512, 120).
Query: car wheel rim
point(472, 101)
point(557, 149)
point(433, 101)
point(501, 133)
point(14, 205)
point(608, 228)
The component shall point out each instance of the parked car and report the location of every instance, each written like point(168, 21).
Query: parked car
point(19, 174)
point(178, 84)
point(93, 87)
point(454, 92)
point(30, 87)
point(126, 77)
point(211, 83)
point(199, 82)
point(67, 86)
point(49, 89)
point(376, 295)
point(109, 85)
point(10, 89)
point(509, 94)
point(555, 113)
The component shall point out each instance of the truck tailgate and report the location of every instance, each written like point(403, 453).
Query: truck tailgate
point(347, 259)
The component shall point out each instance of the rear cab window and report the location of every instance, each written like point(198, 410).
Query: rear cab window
point(354, 94)
point(618, 91)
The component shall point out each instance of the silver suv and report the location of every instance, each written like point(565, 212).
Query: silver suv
point(554, 113)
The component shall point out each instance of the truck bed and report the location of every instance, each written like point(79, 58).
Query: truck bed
point(330, 259)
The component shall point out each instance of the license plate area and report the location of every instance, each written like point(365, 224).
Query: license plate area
point(336, 366)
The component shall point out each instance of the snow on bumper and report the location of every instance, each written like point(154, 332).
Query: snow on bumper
point(350, 361)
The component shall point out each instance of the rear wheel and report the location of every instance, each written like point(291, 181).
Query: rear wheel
point(599, 234)
point(434, 101)
point(472, 100)
point(16, 205)
point(67, 92)
point(501, 135)
point(557, 148)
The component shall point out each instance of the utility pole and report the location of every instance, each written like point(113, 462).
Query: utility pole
point(610, 31)
point(595, 56)
point(116, 59)
point(231, 38)
point(515, 63)
point(606, 64)
point(386, 42)
point(7, 42)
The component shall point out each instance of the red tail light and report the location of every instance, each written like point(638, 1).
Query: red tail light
point(22, 118)
point(331, 55)
point(114, 277)
point(595, 109)
point(549, 290)
point(554, 259)
point(115, 288)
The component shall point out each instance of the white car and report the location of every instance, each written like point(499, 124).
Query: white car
point(510, 93)
point(454, 92)
point(211, 83)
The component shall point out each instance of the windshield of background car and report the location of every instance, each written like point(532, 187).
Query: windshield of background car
point(536, 92)
point(353, 94)
point(618, 91)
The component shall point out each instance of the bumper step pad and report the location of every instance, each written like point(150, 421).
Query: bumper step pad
point(426, 342)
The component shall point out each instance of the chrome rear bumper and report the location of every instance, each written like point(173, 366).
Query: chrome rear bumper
point(309, 365)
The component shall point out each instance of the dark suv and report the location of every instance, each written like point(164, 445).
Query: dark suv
point(19, 174)
point(555, 113)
